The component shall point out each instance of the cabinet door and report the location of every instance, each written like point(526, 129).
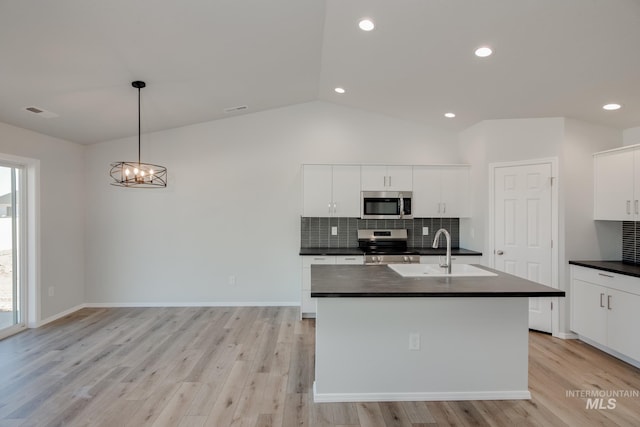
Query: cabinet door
point(614, 177)
point(346, 191)
point(399, 178)
point(623, 322)
point(387, 178)
point(588, 310)
point(316, 193)
point(374, 178)
point(454, 192)
point(426, 192)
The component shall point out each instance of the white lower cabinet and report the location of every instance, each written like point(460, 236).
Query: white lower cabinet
point(455, 259)
point(605, 308)
point(308, 304)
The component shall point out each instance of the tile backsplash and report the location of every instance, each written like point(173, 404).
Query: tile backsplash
point(631, 242)
point(315, 232)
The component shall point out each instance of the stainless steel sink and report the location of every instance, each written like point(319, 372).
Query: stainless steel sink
point(434, 270)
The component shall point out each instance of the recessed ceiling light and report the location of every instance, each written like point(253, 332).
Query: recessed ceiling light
point(483, 51)
point(366, 24)
point(339, 90)
point(611, 107)
point(449, 115)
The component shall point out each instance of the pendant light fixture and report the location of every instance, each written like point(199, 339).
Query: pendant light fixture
point(138, 174)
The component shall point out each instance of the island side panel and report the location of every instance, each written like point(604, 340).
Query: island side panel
point(470, 348)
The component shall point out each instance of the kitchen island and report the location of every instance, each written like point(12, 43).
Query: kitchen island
point(384, 337)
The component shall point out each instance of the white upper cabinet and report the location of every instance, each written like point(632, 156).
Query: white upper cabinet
point(387, 178)
point(331, 190)
point(617, 184)
point(441, 191)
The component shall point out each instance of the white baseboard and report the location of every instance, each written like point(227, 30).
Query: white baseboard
point(57, 316)
point(567, 336)
point(420, 396)
point(610, 351)
point(195, 304)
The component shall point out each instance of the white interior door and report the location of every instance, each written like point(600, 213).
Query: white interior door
point(523, 230)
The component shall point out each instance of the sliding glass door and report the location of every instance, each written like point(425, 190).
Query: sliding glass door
point(11, 286)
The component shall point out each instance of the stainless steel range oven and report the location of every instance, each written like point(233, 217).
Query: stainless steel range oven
point(388, 246)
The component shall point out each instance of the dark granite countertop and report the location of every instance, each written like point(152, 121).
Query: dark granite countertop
point(358, 251)
point(335, 281)
point(611, 266)
point(442, 251)
point(330, 251)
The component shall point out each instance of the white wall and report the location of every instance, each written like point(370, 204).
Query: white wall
point(62, 176)
point(495, 141)
point(631, 136)
point(233, 202)
point(573, 143)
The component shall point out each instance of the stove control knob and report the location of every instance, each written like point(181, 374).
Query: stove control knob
point(406, 259)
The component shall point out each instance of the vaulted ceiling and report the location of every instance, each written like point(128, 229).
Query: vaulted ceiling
point(77, 59)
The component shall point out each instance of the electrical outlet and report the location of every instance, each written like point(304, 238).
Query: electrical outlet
point(52, 291)
point(334, 230)
point(414, 341)
point(425, 231)
point(232, 280)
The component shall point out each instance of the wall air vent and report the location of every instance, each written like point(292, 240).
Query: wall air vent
point(235, 109)
point(41, 112)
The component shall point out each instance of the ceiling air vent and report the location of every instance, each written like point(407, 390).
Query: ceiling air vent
point(235, 109)
point(41, 112)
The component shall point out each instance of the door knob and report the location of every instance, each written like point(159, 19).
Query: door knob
point(500, 252)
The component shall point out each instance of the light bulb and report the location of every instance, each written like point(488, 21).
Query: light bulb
point(150, 171)
point(135, 171)
point(126, 172)
point(141, 173)
point(611, 107)
point(366, 25)
point(483, 51)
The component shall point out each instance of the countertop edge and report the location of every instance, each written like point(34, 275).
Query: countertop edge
point(610, 266)
point(357, 251)
point(436, 294)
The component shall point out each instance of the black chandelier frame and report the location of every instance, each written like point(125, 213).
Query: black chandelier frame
point(138, 174)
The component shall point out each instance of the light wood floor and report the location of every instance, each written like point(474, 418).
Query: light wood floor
point(254, 367)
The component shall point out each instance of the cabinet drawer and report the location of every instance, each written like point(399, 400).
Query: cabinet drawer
point(350, 259)
point(310, 260)
point(617, 281)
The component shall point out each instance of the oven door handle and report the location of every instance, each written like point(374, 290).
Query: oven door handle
point(401, 205)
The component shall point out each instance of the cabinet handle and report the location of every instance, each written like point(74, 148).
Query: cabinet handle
point(444, 208)
point(439, 207)
point(385, 181)
point(628, 207)
point(319, 259)
point(349, 259)
point(601, 302)
point(335, 207)
point(636, 206)
point(329, 208)
point(389, 180)
point(609, 302)
point(605, 275)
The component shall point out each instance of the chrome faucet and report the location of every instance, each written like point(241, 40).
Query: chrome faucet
point(436, 239)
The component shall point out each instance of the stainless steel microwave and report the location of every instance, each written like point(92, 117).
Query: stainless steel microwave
point(386, 205)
